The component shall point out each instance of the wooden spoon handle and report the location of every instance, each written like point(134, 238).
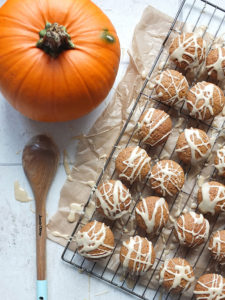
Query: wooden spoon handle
point(41, 250)
point(41, 241)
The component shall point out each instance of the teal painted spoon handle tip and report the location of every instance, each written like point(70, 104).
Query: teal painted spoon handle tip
point(42, 290)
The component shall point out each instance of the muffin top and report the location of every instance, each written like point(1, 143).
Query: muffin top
point(211, 197)
point(167, 177)
point(217, 246)
point(171, 87)
point(191, 229)
point(113, 199)
point(219, 161)
point(154, 127)
point(187, 50)
point(210, 287)
point(137, 255)
point(176, 275)
point(205, 100)
point(193, 145)
point(133, 164)
point(95, 240)
point(152, 214)
point(215, 63)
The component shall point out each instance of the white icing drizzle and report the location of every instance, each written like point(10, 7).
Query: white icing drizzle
point(170, 172)
point(137, 160)
point(88, 241)
point(152, 120)
point(207, 204)
point(204, 100)
point(195, 142)
point(199, 229)
point(217, 65)
point(178, 273)
point(141, 261)
point(150, 220)
point(176, 84)
point(183, 50)
point(113, 195)
point(75, 209)
point(213, 289)
point(221, 161)
point(218, 246)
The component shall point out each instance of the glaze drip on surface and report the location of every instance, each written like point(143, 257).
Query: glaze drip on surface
point(66, 163)
point(61, 235)
point(75, 209)
point(20, 194)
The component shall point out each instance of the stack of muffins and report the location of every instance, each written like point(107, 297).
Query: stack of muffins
point(204, 100)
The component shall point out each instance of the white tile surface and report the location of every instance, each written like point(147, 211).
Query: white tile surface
point(17, 228)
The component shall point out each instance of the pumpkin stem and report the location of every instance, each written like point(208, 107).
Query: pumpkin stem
point(54, 39)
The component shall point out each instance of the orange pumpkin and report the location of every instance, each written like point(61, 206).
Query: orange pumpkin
point(58, 58)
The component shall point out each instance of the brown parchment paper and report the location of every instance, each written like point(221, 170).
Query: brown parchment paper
point(93, 150)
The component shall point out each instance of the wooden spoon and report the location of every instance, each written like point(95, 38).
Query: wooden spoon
point(40, 162)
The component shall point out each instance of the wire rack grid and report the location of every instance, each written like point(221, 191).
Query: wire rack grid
point(206, 13)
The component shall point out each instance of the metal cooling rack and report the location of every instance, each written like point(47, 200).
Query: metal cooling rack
point(213, 17)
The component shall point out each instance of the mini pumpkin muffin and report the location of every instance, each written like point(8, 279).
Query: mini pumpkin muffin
point(152, 214)
point(112, 199)
point(187, 51)
point(215, 63)
point(167, 177)
point(210, 287)
point(95, 240)
point(205, 100)
point(154, 127)
point(176, 275)
point(191, 229)
point(171, 87)
point(211, 197)
point(137, 255)
point(219, 161)
point(193, 145)
point(217, 246)
point(133, 164)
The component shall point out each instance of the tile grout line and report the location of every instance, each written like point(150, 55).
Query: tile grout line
point(20, 164)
